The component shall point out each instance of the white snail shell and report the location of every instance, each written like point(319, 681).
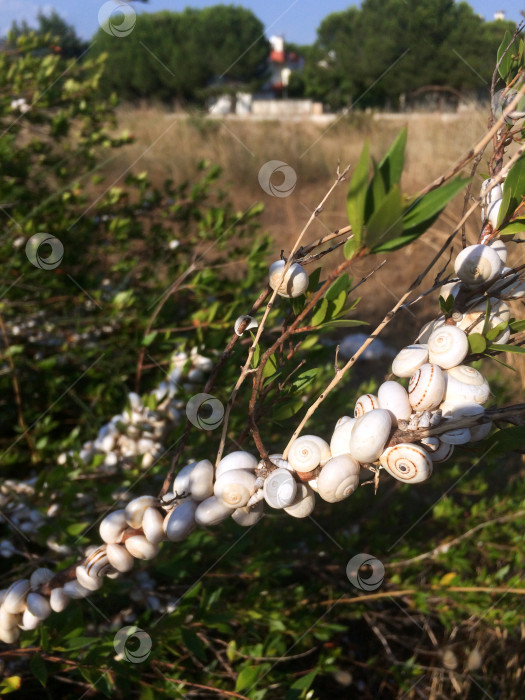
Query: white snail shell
point(96, 563)
point(457, 436)
point(495, 193)
point(497, 308)
point(394, 398)
point(370, 434)
point(339, 478)
point(90, 582)
point(431, 444)
point(450, 289)
point(29, 621)
point(477, 264)
point(295, 281)
point(428, 328)
point(443, 452)
point(152, 525)
point(112, 527)
point(340, 442)
point(40, 576)
point(195, 479)
point(15, 597)
point(426, 387)
point(235, 487)
point(466, 385)
point(141, 548)
point(181, 521)
point(280, 488)
point(236, 460)
point(409, 360)
point(364, 404)
point(447, 347)
point(58, 599)
point(76, 590)
point(303, 504)
point(119, 557)
point(248, 320)
point(212, 511)
point(9, 635)
point(246, 517)
point(493, 212)
point(501, 249)
point(278, 461)
point(38, 605)
point(407, 462)
point(134, 511)
point(7, 619)
point(480, 432)
point(308, 452)
point(477, 432)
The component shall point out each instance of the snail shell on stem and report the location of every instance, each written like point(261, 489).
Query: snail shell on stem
point(447, 347)
point(465, 385)
point(370, 434)
point(293, 284)
point(364, 404)
point(477, 264)
point(212, 511)
point(235, 487)
point(246, 517)
point(280, 488)
point(394, 398)
point(308, 452)
point(339, 478)
point(181, 521)
point(409, 360)
point(340, 442)
point(236, 460)
point(426, 387)
point(407, 462)
point(303, 503)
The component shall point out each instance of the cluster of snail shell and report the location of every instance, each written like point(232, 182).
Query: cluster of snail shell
point(139, 431)
point(440, 388)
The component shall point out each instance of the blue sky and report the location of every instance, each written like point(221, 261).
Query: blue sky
point(297, 20)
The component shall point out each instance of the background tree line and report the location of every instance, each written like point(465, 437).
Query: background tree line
point(368, 56)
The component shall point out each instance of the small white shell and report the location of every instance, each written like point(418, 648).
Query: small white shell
point(394, 398)
point(369, 435)
point(87, 581)
point(246, 517)
point(8, 619)
point(493, 212)
point(235, 487)
point(278, 461)
point(443, 453)
point(134, 511)
point(40, 576)
point(212, 511)
point(152, 525)
point(364, 404)
point(409, 360)
point(280, 488)
point(497, 308)
point(501, 249)
point(477, 432)
point(38, 605)
point(294, 283)
point(447, 347)
point(181, 521)
point(112, 527)
point(465, 385)
point(236, 460)
point(431, 444)
point(477, 264)
point(58, 600)
point(340, 442)
point(308, 452)
point(76, 590)
point(195, 479)
point(9, 635)
point(428, 328)
point(141, 548)
point(457, 436)
point(407, 462)
point(495, 193)
point(119, 557)
point(303, 504)
point(426, 388)
point(341, 421)
point(15, 597)
point(339, 478)
point(248, 320)
point(96, 563)
point(30, 621)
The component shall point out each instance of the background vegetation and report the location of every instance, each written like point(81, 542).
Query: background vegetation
point(268, 613)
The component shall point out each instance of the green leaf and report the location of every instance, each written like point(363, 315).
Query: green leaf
point(446, 305)
point(513, 191)
point(513, 227)
point(298, 689)
point(270, 368)
point(320, 312)
point(38, 668)
point(246, 678)
point(148, 339)
point(344, 323)
point(10, 684)
point(401, 242)
point(424, 208)
point(313, 280)
point(338, 304)
point(231, 650)
point(356, 198)
point(304, 379)
point(287, 409)
point(516, 326)
point(256, 353)
point(516, 349)
point(505, 65)
point(342, 283)
point(391, 166)
point(477, 343)
point(493, 333)
point(194, 644)
point(375, 192)
point(386, 223)
point(351, 247)
point(507, 440)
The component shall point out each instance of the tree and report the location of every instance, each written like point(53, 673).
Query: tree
point(69, 44)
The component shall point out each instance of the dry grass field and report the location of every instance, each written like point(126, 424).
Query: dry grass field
point(170, 146)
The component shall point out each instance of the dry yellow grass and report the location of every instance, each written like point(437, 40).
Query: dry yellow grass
point(170, 146)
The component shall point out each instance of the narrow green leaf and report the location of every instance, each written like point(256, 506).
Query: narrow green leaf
point(513, 227)
point(516, 349)
point(431, 204)
point(506, 63)
point(194, 644)
point(391, 166)
point(506, 440)
point(320, 311)
point(513, 191)
point(342, 283)
point(338, 304)
point(344, 323)
point(351, 247)
point(38, 668)
point(477, 343)
point(270, 368)
point(355, 202)
point(493, 333)
point(313, 280)
point(516, 326)
point(304, 379)
point(397, 243)
point(246, 678)
point(375, 192)
point(148, 339)
point(386, 223)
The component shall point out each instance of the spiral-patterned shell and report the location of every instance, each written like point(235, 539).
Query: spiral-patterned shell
point(477, 264)
point(466, 385)
point(409, 360)
point(364, 404)
point(447, 347)
point(426, 388)
point(235, 487)
point(308, 452)
point(338, 479)
point(280, 489)
point(407, 462)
